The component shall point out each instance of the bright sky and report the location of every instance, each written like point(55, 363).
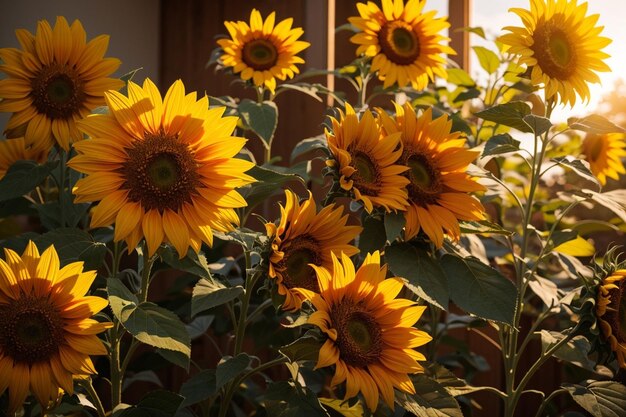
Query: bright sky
point(493, 15)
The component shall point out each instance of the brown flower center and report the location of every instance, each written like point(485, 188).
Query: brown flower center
point(367, 176)
point(160, 172)
point(302, 251)
point(399, 42)
point(31, 329)
point(260, 54)
point(425, 185)
point(554, 50)
point(58, 91)
point(593, 146)
point(359, 336)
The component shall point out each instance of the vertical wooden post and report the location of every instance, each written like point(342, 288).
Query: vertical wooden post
point(459, 15)
point(330, 50)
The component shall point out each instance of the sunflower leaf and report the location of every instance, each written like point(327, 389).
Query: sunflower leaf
point(74, 245)
point(430, 399)
point(373, 236)
point(394, 223)
point(156, 326)
point(600, 398)
point(594, 124)
point(303, 349)
point(209, 293)
point(230, 368)
point(508, 114)
point(538, 124)
point(460, 77)
point(425, 276)
point(261, 118)
point(159, 403)
point(487, 58)
point(307, 145)
point(500, 144)
point(471, 282)
point(198, 388)
point(581, 168)
point(23, 177)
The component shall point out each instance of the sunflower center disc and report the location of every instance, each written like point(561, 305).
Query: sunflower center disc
point(163, 171)
point(425, 185)
point(260, 54)
point(365, 170)
point(399, 42)
point(31, 330)
point(554, 51)
point(57, 92)
point(359, 337)
point(298, 256)
point(595, 148)
point(160, 173)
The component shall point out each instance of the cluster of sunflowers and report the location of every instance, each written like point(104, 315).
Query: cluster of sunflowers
point(107, 185)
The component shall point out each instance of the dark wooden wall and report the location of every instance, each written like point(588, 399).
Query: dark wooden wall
point(189, 28)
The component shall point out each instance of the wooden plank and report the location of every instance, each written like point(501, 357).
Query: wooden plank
point(459, 16)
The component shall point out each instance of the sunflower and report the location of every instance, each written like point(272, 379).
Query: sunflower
point(611, 313)
point(604, 154)
point(263, 51)
point(163, 169)
point(46, 333)
point(404, 42)
point(560, 45)
point(303, 237)
point(57, 79)
point(439, 186)
point(371, 340)
point(366, 161)
point(13, 150)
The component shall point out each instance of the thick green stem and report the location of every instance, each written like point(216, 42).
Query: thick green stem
point(145, 277)
point(87, 384)
point(116, 374)
point(62, 195)
point(545, 402)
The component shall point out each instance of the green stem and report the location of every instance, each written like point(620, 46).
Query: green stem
point(230, 391)
point(129, 354)
point(145, 277)
point(519, 390)
point(116, 374)
point(87, 384)
point(545, 402)
point(259, 310)
point(245, 303)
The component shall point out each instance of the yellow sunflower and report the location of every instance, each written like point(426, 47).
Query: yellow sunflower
point(46, 333)
point(439, 187)
point(560, 45)
point(263, 51)
point(366, 161)
point(406, 44)
point(604, 154)
point(56, 79)
point(303, 237)
point(163, 169)
point(371, 340)
point(611, 312)
point(13, 150)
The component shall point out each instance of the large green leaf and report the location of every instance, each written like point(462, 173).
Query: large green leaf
point(479, 289)
point(308, 145)
point(209, 293)
point(373, 236)
point(594, 124)
point(74, 245)
point(487, 58)
point(460, 77)
point(430, 399)
point(508, 114)
point(600, 398)
point(147, 322)
point(285, 399)
point(194, 263)
point(538, 124)
point(231, 368)
point(198, 388)
point(22, 177)
point(580, 167)
point(269, 182)
point(394, 223)
point(160, 403)
point(425, 276)
point(261, 118)
point(500, 144)
point(303, 349)
point(575, 351)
